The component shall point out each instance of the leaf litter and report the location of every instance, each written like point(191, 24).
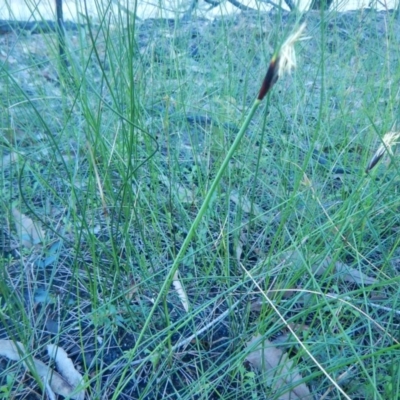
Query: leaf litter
point(277, 368)
point(30, 233)
point(65, 383)
point(185, 195)
point(345, 272)
point(180, 290)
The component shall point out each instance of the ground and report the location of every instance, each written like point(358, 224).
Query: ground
point(112, 155)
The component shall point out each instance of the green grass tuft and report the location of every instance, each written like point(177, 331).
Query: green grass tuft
point(111, 159)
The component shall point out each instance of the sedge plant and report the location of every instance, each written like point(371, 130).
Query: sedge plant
point(283, 61)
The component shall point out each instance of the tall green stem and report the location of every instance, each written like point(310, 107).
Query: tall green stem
point(283, 60)
point(200, 214)
point(209, 196)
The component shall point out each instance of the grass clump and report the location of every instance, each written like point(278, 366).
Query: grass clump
point(108, 160)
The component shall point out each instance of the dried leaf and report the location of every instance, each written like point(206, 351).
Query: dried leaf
point(9, 159)
point(66, 368)
point(239, 251)
point(277, 368)
point(227, 106)
point(49, 391)
point(57, 383)
point(183, 194)
point(9, 349)
point(244, 203)
point(30, 233)
point(347, 273)
point(247, 206)
point(180, 291)
point(353, 275)
point(132, 287)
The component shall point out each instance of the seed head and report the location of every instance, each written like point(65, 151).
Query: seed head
point(287, 55)
point(388, 141)
point(283, 61)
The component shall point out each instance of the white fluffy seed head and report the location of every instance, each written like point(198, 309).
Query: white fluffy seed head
point(287, 55)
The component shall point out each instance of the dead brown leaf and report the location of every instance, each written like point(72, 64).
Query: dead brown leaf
point(180, 290)
point(9, 159)
point(66, 368)
point(30, 233)
point(345, 272)
point(184, 195)
point(247, 206)
point(239, 251)
point(277, 368)
point(15, 351)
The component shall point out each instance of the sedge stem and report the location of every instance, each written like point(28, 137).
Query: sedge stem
point(208, 198)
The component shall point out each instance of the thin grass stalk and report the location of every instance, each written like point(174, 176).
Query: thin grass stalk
point(61, 33)
point(281, 62)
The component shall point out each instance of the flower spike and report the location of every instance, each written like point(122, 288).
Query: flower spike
point(389, 140)
point(282, 61)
